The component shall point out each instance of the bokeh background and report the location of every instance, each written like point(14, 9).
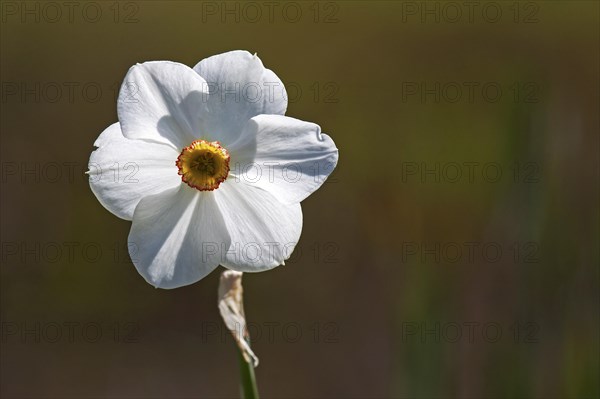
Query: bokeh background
point(410, 280)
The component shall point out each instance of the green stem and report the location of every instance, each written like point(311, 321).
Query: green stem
point(247, 379)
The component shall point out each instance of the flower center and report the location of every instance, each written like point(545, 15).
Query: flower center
point(203, 165)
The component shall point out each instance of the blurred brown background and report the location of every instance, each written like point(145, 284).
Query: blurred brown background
point(414, 277)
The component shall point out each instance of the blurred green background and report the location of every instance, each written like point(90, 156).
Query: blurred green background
point(397, 288)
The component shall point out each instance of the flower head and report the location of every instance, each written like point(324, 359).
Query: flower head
point(207, 167)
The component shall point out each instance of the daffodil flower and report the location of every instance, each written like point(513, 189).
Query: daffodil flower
point(207, 167)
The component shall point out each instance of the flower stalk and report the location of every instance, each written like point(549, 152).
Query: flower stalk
point(231, 307)
point(248, 387)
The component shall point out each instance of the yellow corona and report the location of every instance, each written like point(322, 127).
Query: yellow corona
point(203, 165)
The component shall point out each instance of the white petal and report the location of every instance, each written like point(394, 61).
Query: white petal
point(123, 171)
point(288, 157)
point(240, 87)
point(263, 231)
point(176, 237)
point(162, 101)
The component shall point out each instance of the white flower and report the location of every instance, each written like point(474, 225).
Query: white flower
point(207, 167)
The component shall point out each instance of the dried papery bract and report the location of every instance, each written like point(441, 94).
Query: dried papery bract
point(231, 307)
